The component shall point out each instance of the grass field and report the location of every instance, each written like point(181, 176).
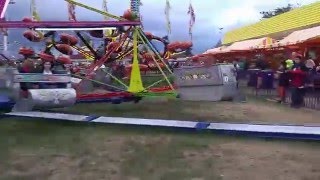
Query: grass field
point(38, 149)
point(54, 150)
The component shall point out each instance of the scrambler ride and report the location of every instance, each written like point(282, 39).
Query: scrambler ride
point(44, 81)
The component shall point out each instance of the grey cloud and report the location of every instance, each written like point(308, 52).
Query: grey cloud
point(205, 34)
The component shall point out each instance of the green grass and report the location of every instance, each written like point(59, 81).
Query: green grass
point(45, 139)
point(44, 149)
point(150, 108)
point(256, 110)
point(39, 149)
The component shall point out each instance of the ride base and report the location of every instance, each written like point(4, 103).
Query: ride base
point(206, 83)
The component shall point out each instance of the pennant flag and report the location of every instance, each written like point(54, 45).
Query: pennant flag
point(192, 19)
point(167, 13)
point(72, 12)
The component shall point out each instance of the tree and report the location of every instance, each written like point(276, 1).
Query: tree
point(278, 11)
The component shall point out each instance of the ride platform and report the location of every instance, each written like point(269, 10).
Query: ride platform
point(256, 130)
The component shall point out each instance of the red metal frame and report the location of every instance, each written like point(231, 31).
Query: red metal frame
point(100, 62)
point(3, 6)
point(67, 24)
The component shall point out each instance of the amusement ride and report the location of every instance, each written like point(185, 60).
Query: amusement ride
point(125, 67)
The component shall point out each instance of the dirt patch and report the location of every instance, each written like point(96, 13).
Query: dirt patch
point(118, 154)
point(258, 160)
point(254, 112)
point(99, 159)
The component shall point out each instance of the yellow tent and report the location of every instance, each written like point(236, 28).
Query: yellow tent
point(281, 25)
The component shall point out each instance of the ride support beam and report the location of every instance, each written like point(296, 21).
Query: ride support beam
point(67, 24)
point(94, 9)
point(3, 7)
point(88, 45)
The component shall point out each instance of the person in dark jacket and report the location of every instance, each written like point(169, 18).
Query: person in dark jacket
point(283, 82)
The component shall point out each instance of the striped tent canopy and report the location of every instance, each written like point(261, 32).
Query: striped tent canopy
point(301, 36)
point(217, 50)
point(251, 44)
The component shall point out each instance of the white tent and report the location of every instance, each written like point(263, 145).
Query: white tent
point(300, 36)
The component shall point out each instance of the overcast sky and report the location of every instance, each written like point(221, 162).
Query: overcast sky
point(210, 15)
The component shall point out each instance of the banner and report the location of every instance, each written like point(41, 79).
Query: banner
point(192, 19)
point(167, 13)
point(72, 12)
point(105, 8)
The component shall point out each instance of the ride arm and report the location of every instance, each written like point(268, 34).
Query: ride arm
point(96, 56)
point(94, 9)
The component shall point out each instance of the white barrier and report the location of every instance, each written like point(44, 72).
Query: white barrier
point(46, 95)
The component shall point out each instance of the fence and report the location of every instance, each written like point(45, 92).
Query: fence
point(248, 84)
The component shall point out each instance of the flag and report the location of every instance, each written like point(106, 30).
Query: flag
point(105, 8)
point(167, 13)
point(107, 32)
point(71, 12)
point(141, 20)
point(135, 6)
point(33, 8)
point(192, 19)
point(4, 30)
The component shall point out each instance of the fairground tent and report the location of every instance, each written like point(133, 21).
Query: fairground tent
point(301, 36)
point(217, 50)
point(251, 44)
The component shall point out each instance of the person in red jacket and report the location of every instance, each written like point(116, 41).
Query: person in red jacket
point(298, 77)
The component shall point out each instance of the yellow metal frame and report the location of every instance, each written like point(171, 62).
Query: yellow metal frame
point(136, 85)
point(305, 16)
point(94, 9)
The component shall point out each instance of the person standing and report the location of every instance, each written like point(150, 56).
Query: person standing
point(311, 67)
point(236, 71)
point(310, 64)
point(283, 82)
point(298, 76)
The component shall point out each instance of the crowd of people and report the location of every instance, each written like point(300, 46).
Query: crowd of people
point(297, 75)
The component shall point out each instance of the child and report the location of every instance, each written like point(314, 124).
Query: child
point(47, 66)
